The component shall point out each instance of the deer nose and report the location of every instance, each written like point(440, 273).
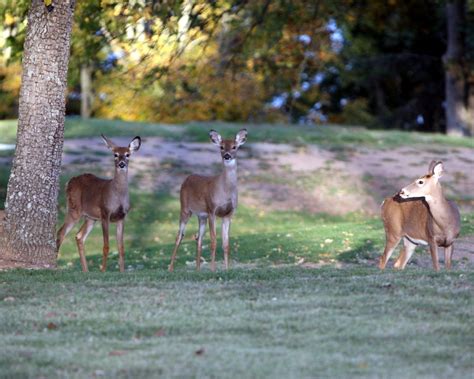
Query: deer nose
point(122, 164)
point(227, 156)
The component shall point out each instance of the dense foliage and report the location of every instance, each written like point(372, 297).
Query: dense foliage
point(353, 61)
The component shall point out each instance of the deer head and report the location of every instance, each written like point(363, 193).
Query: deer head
point(228, 147)
point(425, 186)
point(122, 154)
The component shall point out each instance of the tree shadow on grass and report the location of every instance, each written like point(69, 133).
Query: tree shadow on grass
point(365, 251)
point(279, 238)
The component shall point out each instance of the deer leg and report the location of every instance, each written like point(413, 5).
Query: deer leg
point(201, 232)
point(105, 249)
point(182, 228)
point(390, 245)
point(448, 253)
point(434, 255)
point(212, 232)
point(119, 237)
point(81, 238)
point(225, 240)
point(69, 223)
point(405, 255)
point(400, 258)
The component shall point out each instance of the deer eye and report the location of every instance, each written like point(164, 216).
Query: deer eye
point(116, 155)
point(127, 155)
point(222, 148)
point(420, 182)
point(234, 147)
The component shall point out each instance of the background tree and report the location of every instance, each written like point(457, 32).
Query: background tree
point(31, 205)
point(389, 70)
point(459, 116)
point(378, 64)
point(87, 44)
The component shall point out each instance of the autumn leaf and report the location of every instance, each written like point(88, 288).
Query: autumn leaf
point(200, 351)
point(52, 326)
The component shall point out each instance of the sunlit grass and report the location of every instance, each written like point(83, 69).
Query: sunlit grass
point(329, 136)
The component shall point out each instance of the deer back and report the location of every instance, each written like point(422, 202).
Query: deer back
point(407, 217)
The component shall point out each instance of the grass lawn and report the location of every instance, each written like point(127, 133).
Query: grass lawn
point(302, 299)
point(333, 136)
point(281, 322)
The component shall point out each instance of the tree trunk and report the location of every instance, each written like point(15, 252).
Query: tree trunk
point(455, 80)
point(470, 104)
point(184, 23)
point(86, 91)
point(31, 203)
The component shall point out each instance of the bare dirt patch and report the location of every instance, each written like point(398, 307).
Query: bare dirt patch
point(285, 177)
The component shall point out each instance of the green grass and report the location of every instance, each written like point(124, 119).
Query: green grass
point(335, 137)
point(330, 136)
point(258, 238)
point(285, 322)
point(266, 317)
point(77, 128)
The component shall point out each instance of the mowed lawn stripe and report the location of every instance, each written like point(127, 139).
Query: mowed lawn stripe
point(252, 323)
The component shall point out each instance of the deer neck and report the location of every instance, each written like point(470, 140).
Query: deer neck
point(120, 181)
point(440, 208)
point(228, 176)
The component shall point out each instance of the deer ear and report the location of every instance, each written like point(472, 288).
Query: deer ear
point(438, 170)
point(215, 137)
point(108, 142)
point(135, 144)
point(431, 167)
point(241, 137)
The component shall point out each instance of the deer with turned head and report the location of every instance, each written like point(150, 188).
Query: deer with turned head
point(98, 199)
point(420, 215)
point(211, 196)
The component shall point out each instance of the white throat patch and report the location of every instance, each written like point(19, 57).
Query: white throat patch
point(231, 162)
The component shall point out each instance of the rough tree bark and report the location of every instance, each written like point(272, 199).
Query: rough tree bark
point(31, 204)
point(457, 108)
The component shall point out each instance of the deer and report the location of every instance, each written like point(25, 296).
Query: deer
point(420, 215)
point(211, 196)
point(98, 199)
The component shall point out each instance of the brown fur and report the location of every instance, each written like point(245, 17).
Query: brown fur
point(211, 196)
point(413, 219)
point(97, 199)
point(406, 217)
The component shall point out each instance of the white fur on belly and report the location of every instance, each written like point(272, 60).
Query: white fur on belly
point(420, 242)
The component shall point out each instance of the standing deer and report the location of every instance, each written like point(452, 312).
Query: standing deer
point(100, 199)
point(421, 215)
point(211, 196)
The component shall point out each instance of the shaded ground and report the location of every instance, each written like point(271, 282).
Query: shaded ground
point(463, 256)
